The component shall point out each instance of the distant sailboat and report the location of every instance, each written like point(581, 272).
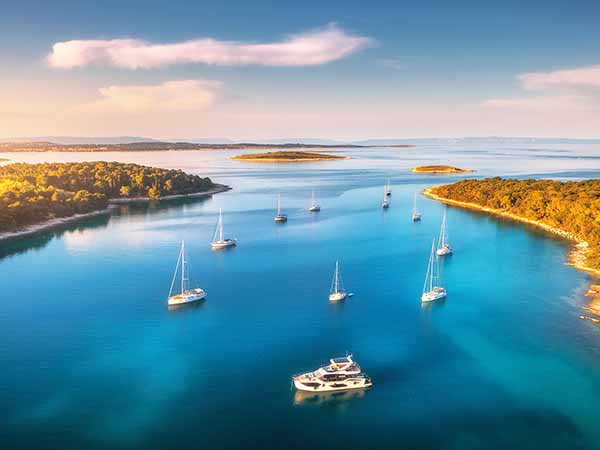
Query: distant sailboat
point(186, 295)
point(388, 188)
point(443, 247)
point(219, 241)
point(385, 204)
point(314, 206)
point(416, 215)
point(337, 292)
point(279, 217)
point(432, 289)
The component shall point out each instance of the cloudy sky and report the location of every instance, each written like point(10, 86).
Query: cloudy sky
point(339, 69)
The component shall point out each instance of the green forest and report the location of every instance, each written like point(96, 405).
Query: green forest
point(572, 206)
point(32, 193)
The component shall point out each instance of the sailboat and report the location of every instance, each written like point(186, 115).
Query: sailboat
point(186, 295)
point(443, 247)
point(431, 291)
point(416, 215)
point(219, 241)
point(385, 204)
point(314, 206)
point(388, 188)
point(337, 292)
point(279, 217)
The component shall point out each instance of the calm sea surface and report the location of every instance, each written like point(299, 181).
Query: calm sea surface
point(91, 358)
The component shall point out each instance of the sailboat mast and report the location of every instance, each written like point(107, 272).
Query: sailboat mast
point(337, 271)
point(278, 204)
point(220, 226)
point(182, 267)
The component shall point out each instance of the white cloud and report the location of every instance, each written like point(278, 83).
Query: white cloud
point(170, 96)
point(306, 49)
point(579, 77)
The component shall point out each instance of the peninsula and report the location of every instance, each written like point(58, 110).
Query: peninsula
point(567, 209)
point(34, 197)
point(287, 156)
point(439, 169)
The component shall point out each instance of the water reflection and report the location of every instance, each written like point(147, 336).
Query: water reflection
point(327, 398)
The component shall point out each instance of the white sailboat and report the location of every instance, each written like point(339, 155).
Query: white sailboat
point(416, 215)
point(388, 188)
point(218, 240)
point(314, 206)
point(443, 247)
point(186, 295)
point(385, 204)
point(432, 289)
point(337, 292)
point(279, 217)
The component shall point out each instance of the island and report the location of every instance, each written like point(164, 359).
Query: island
point(565, 208)
point(34, 197)
point(439, 169)
point(287, 156)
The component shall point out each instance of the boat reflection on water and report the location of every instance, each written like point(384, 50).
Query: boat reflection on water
point(186, 307)
point(327, 398)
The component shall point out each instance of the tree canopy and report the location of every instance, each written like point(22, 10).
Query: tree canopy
point(31, 193)
point(571, 206)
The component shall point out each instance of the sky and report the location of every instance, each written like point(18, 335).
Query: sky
point(341, 69)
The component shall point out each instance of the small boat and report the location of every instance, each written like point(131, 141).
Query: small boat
point(337, 292)
point(443, 247)
point(416, 215)
point(186, 295)
point(279, 217)
point(314, 206)
point(388, 188)
point(341, 374)
point(385, 204)
point(432, 289)
point(219, 241)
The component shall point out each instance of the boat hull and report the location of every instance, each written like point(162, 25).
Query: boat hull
point(416, 217)
point(444, 251)
point(314, 209)
point(280, 218)
point(338, 296)
point(346, 385)
point(385, 205)
point(225, 243)
point(434, 295)
point(195, 295)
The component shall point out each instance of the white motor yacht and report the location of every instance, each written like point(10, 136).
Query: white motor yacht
point(341, 374)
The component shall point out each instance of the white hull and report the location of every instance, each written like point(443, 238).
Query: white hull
point(338, 296)
point(314, 208)
point(416, 217)
point(346, 385)
point(385, 205)
point(191, 296)
point(280, 218)
point(225, 243)
point(435, 294)
point(446, 250)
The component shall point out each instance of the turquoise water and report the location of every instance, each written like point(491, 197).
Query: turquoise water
point(92, 358)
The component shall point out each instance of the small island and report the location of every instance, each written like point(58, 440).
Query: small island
point(439, 169)
point(35, 197)
point(287, 156)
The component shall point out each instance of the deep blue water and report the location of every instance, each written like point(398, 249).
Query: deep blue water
point(92, 358)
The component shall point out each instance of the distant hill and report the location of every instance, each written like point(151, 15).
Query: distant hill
point(73, 140)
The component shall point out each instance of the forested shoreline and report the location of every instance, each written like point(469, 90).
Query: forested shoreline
point(34, 193)
point(572, 207)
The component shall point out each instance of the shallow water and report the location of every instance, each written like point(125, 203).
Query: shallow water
point(92, 358)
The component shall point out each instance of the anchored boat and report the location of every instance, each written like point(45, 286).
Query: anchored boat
point(314, 206)
point(385, 204)
point(432, 288)
point(219, 241)
point(416, 215)
point(443, 247)
point(341, 374)
point(279, 217)
point(186, 295)
point(337, 292)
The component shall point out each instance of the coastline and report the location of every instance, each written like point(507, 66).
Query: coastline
point(440, 171)
point(576, 257)
point(47, 225)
